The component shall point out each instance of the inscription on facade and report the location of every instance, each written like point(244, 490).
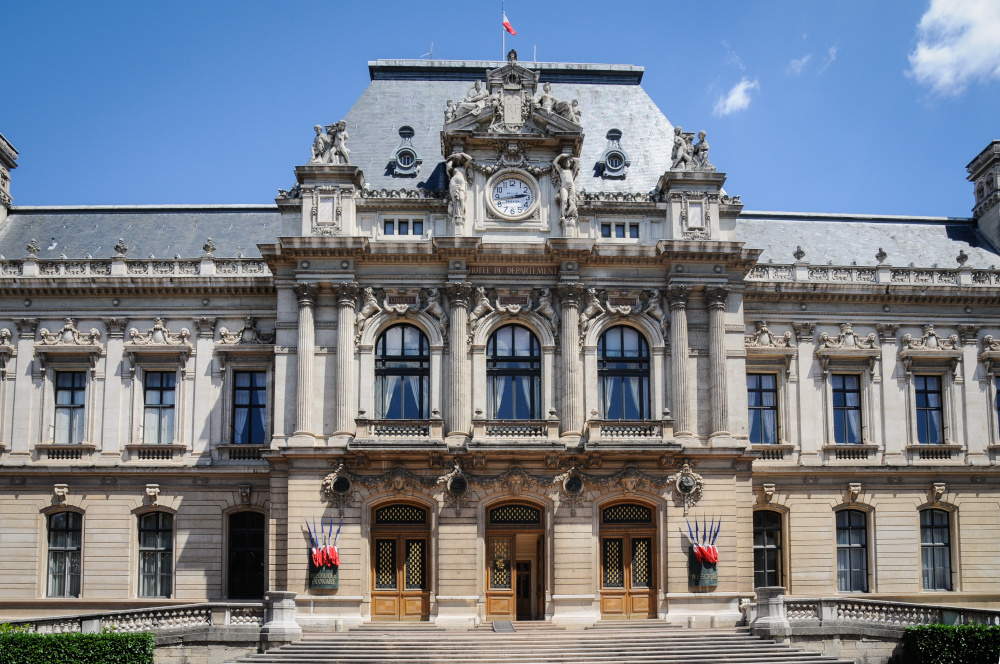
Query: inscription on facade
point(401, 299)
point(623, 301)
point(514, 270)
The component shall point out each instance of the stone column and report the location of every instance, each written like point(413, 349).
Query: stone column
point(716, 298)
point(571, 401)
point(347, 383)
point(113, 415)
point(204, 386)
point(458, 395)
point(304, 397)
point(677, 297)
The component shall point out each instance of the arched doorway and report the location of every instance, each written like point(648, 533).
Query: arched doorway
point(515, 562)
point(399, 538)
point(628, 561)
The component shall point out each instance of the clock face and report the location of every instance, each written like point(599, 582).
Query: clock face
point(512, 196)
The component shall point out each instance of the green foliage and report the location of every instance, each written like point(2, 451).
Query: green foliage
point(25, 648)
point(7, 628)
point(943, 644)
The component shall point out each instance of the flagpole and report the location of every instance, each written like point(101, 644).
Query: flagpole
point(503, 32)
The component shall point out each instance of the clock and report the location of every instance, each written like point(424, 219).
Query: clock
point(512, 196)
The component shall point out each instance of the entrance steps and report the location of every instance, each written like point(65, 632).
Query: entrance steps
point(628, 645)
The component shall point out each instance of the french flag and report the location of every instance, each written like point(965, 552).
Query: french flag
point(507, 26)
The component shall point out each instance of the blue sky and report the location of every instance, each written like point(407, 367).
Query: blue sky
point(850, 106)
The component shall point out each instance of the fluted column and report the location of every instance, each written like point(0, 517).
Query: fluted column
point(571, 401)
point(304, 396)
point(716, 298)
point(347, 382)
point(677, 297)
point(458, 398)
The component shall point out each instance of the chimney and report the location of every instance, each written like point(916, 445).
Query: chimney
point(984, 174)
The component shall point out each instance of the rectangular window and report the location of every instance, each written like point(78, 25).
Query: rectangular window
point(766, 548)
point(846, 409)
point(70, 393)
point(852, 551)
point(249, 408)
point(418, 226)
point(403, 227)
point(65, 544)
point(156, 554)
point(605, 230)
point(633, 231)
point(619, 230)
point(389, 227)
point(935, 549)
point(158, 416)
point(930, 410)
point(762, 398)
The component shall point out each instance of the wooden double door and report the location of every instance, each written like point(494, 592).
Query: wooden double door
point(399, 572)
point(628, 562)
point(514, 580)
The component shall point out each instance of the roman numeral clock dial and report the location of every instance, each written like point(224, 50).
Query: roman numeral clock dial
point(512, 197)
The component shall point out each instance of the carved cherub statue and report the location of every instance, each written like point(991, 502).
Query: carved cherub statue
point(340, 152)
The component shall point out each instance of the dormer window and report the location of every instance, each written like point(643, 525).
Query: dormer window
point(406, 162)
point(615, 161)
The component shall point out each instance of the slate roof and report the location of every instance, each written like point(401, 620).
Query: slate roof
point(147, 229)
point(416, 92)
point(843, 239)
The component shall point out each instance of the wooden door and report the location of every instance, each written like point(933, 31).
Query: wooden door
point(500, 602)
point(399, 572)
point(628, 587)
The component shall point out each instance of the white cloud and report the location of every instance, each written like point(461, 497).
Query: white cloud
point(958, 43)
point(831, 56)
point(796, 66)
point(737, 99)
point(731, 57)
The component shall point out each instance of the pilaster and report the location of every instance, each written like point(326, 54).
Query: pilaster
point(677, 297)
point(111, 426)
point(24, 387)
point(717, 297)
point(304, 395)
point(346, 294)
point(204, 389)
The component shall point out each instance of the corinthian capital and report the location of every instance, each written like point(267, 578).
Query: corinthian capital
point(346, 292)
point(716, 297)
point(677, 296)
point(458, 294)
point(306, 294)
point(570, 295)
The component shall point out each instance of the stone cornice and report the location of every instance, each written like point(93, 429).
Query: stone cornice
point(150, 286)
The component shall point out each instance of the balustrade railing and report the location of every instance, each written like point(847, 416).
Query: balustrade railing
point(156, 620)
point(146, 267)
point(875, 275)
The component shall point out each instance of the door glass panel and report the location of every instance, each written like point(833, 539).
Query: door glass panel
point(642, 568)
point(500, 550)
point(385, 564)
point(415, 576)
point(614, 573)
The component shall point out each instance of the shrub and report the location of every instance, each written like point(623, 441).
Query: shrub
point(943, 644)
point(22, 648)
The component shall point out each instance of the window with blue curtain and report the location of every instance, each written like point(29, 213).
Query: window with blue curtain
point(852, 551)
point(402, 374)
point(762, 401)
point(623, 374)
point(846, 408)
point(249, 408)
point(930, 410)
point(935, 549)
point(514, 374)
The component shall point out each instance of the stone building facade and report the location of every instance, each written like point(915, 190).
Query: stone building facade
point(509, 341)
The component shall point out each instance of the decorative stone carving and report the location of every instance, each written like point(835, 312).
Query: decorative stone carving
point(887, 332)
point(458, 185)
point(330, 147)
point(682, 155)
point(799, 254)
point(567, 167)
point(245, 490)
point(853, 492)
point(545, 309)
point(847, 339)
point(764, 338)
point(938, 491)
point(68, 335)
point(121, 248)
point(435, 308)
point(33, 248)
point(475, 101)
point(686, 486)
point(614, 161)
point(548, 103)
point(803, 331)
point(990, 344)
point(652, 307)
point(456, 485)
point(677, 296)
point(209, 247)
point(881, 256)
point(929, 340)
point(152, 493)
point(294, 192)
point(768, 492)
point(700, 154)
point(400, 308)
point(481, 308)
point(159, 335)
point(406, 160)
point(321, 146)
point(61, 492)
point(592, 309)
point(968, 334)
point(248, 334)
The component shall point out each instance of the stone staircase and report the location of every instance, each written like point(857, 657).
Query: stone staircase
point(539, 644)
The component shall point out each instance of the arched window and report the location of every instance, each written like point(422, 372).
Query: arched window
point(156, 554)
point(402, 374)
point(852, 551)
point(65, 544)
point(623, 373)
point(935, 549)
point(766, 548)
point(514, 374)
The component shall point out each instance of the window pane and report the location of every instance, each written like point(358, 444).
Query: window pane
point(633, 231)
point(418, 227)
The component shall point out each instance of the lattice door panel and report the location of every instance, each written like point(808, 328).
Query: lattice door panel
point(385, 564)
point(501, 549)
point(642, 562)
point(613, 563)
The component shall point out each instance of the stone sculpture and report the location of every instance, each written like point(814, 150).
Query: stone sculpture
point(687, 155)
point(568, 167)
point(593, 309)
point(680, 158)
point(700, 154)
point(435, 308)
point(654, 309)
point(321, 146)
point(330, 147)
point(474, 102)
point(545, 309)
point(481, 308)
point(456, 166)
point(545, 100)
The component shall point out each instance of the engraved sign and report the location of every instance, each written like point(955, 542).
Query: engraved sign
point(514, 299)
point(401, 299)
point(623, 302)
point(326, 578)
point(514, 270)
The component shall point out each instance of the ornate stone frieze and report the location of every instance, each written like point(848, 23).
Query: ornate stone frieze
point(158, 335)
point(248, 334)
point(615, 197)
point(847, 339)
point(69, 335)
point(764, 338)
point(404, 194)
point(929, 340)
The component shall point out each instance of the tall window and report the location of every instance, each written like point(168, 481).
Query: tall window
point(65, 540)
point(762, 398)
point(846, 409)
point(766, 548)
point(158, 420)
point(514, 374)
point(402, 374)
point(852, 551)
point(935, 549)
point(930, 410)
point(70, 393)
point(623, 372)
point(156, 554)
point(250, 408)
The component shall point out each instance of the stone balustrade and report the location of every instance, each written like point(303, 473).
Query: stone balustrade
point(157, 620)
point(147, 267)
point(883, 274)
